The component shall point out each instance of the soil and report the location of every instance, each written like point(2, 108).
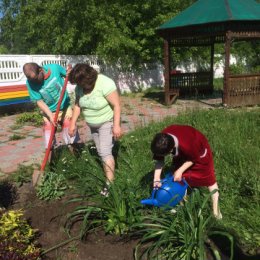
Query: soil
point(49, 219)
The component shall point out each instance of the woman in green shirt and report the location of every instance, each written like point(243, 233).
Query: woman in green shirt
point(98, 100)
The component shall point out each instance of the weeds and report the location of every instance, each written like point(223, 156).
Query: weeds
point(22, 175)
point(34, 118)
point(15, 137)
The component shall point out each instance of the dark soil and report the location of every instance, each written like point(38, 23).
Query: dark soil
point(49, 219)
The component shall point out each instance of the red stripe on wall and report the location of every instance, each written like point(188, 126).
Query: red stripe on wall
point(13, 88)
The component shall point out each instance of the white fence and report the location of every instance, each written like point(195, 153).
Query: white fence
point(11, 72)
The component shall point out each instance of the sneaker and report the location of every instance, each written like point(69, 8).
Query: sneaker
point(104, 192)
point(173, 211)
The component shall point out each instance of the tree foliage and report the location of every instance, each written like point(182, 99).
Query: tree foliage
point(117, 30)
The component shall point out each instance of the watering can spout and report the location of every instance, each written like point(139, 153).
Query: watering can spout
point(150, 202)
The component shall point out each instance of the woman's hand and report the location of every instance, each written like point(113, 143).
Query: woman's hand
point(117, 132)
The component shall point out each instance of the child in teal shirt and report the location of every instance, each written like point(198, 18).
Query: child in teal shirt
point(44, 85)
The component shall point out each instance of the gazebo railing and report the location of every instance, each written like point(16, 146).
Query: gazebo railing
point(192, 82)
point(243, 90)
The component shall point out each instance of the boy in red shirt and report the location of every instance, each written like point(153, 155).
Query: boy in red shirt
point(192, 159)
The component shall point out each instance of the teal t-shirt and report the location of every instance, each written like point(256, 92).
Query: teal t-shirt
point(49, 91)
point(94, 106)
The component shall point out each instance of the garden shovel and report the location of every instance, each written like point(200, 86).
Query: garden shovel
point(38, 174)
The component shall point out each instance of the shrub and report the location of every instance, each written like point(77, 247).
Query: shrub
point(17, 238)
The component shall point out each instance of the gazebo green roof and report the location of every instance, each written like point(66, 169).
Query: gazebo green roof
point(215, 11)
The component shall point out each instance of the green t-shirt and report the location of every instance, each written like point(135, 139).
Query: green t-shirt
point(94, 106)
point(49, 91)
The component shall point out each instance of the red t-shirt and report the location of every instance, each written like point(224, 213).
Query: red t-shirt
point(192, 145)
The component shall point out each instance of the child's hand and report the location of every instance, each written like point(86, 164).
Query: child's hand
point(177, 175)
point(157, 184)
point(72, 130)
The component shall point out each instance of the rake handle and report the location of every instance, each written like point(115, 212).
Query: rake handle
point(53, 128)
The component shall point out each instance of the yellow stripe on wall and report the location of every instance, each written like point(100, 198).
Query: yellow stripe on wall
point(14, 94)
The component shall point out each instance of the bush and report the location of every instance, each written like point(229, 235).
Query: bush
point(17, 238)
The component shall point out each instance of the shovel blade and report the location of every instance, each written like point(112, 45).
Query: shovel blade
point(37, 177)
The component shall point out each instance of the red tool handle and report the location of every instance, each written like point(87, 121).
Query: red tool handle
point(53, 128)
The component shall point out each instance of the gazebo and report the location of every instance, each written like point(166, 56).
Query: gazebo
point(206, 23)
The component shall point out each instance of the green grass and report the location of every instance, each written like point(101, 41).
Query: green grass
point(234, 137)
point(15, 137)
point(33, 118)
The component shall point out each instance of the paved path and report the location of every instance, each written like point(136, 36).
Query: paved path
point(30, 150)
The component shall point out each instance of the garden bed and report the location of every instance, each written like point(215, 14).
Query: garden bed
point(110, 221)
point(49, 219)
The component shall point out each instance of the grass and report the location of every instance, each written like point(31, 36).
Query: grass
point(15, 137)
point(234, 137)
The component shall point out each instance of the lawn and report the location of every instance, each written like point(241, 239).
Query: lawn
point(192, 233)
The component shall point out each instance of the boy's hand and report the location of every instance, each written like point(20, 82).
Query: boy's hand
point(177, 176)
point(157, 183)
point(51, 119)
point(72, 130)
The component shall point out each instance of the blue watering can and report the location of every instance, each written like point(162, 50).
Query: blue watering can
point(169, 194)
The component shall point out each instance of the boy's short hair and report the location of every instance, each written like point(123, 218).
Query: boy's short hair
point(31, 66)
point(162, 144)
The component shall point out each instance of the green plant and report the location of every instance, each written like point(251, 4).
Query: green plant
point(34, 118)
point(17, 238)
point(115, 213)
point(237, 69)
point(22, 175)
point(184, 235)
point(16, 137)
point(52, 187)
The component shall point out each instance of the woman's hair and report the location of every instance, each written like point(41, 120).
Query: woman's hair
point(84, 76)
point(162, 144)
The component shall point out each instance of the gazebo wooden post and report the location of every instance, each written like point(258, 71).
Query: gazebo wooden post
point(226, 69)
point(212, 65)
point(167, 65)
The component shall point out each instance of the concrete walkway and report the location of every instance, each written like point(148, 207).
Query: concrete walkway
point(29, 150)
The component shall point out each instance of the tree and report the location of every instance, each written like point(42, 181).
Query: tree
point(116, 30)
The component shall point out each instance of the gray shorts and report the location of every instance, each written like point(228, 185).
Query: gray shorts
point(103, 137)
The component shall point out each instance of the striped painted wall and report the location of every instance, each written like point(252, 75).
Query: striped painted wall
point(13, 94)
point(13, 88)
